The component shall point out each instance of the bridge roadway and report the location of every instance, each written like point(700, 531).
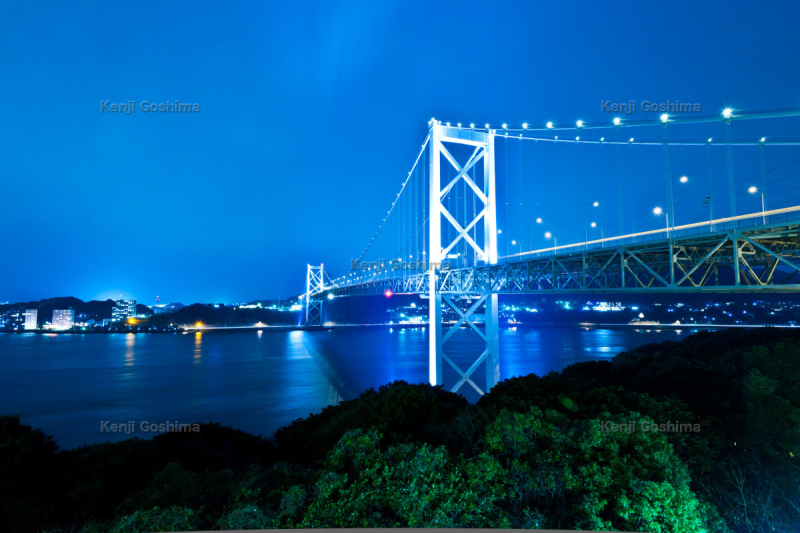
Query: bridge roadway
point(761, 258)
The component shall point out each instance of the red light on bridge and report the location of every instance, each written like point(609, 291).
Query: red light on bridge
point(388, 293)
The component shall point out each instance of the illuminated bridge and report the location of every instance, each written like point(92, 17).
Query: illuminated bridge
point(737, 214)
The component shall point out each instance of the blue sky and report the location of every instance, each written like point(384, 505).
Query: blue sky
point(311, 115)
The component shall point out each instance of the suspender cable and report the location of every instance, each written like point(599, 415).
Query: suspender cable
point(620, 207)
point(710, 197)
point(763, 178)
point(668, 182)
point(505, 192)
point(526, 196)
point(731, 181)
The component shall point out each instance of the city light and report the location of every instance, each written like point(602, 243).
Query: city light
point(684, 179)
point(657, 211)
point(617, 121)
point(727, 112)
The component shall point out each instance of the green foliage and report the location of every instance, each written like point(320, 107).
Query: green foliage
point(399, 411)
point(410, 485)
point(578, 476)
point(27, 462)
point(246, 517)
point(157, 520)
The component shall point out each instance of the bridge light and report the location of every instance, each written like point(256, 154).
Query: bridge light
point(505, 126)
point(595, 204)
point(539, 220)
point(330, 296)
point(657, 211)
point(577, 138)
point(684, 179)
point(549, 125)
point(763, 139)
point(753, 189)
point(487, 125)
point(631, 140)
point(665, 118)
point(448, 123)
point(388, 293)
point(524, 125)
point(727, 112)
point(594, 224)
point(617, 121)
point(513, 243)
point(472, 125)
point(579, 123)
point(602, 139)
point(547, 235)
point(499, 231)
point(459, 124)
point(710, 139)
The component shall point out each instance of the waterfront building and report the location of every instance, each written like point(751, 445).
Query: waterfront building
point(123, 309)
point(31, 317)
point(63, 318)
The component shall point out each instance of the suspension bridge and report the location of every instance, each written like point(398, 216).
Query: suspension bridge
point(607, 195)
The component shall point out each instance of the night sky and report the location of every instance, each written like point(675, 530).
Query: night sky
point(311, 116)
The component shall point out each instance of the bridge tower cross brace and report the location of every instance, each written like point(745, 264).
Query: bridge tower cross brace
point(314, 285)
point(483, 143)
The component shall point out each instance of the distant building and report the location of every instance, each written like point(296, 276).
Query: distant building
point(123, 309)
point(31, 317)
point(63, 318)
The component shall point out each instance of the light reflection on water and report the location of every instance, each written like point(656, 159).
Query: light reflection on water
point(254, 380)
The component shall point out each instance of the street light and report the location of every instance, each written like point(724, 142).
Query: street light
point(538, 220)
point(753, 190)
point(585, 229)
point(684, 179)
point(548, 235)
point(519, 244)
point(657, 211)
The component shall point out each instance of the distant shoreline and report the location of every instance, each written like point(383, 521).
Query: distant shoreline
point(506, 325)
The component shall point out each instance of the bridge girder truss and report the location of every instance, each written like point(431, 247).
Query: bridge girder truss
point(765, 259)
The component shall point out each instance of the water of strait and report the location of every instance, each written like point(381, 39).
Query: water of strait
point(68, 385)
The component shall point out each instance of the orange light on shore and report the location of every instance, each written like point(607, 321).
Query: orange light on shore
point(388, 293)
point(199, 325)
